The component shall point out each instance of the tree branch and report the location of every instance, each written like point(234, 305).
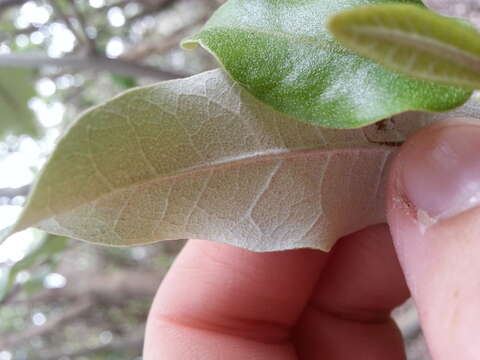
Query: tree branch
point(133, 341)
point(160, 46)
point(5, 4)
point(93, 62)
point(66, 20)
point(149, 10)
point(75, 311)
point(114, 288)
point(12, 192)
point(91, 46)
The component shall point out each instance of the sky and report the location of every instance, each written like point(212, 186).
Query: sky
point(22, 157)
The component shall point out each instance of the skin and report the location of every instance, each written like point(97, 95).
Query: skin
point(221, 302)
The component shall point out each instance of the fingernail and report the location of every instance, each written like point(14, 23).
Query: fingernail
point(440, 169)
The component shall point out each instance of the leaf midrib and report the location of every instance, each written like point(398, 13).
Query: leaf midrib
point(431, 44)
point(327, 45)
point(222, 164)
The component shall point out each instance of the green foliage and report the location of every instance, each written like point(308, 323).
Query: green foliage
point(413, 41)
point(16, 89)
point(202, 158)
point(125, 82)
point(40, 252)
point(282, 52)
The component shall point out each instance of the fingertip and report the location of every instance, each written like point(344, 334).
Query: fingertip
point(433, 199)
point(437, 171)
point(227, 302)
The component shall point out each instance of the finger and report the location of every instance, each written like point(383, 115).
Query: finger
point(434, 193)
point(349, 313)
point(227, 303)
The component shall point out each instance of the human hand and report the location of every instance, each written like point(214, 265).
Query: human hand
point(221, 302)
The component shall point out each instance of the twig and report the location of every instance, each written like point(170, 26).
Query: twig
point(115, 288)
point(133, 341)
point(75, 311)
point(93, 62)
point(6, 4)
point(160, 46)
point(66, 20)
point(12, 192)
point(120, 4)
point(149, 10)
point(91, 46)
point(17, 289)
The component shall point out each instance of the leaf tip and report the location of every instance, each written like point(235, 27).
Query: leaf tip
point(189, 43)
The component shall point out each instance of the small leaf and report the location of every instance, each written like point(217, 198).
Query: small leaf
point(16, 90)
point(201, 158)
point(413, 41)
point(125, 82)
point(282, 52)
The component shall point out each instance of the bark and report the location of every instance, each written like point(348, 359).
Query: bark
point(93, 62)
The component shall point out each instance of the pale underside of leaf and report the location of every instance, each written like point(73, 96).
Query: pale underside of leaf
point(201, 158)
point(413, 41)
point(282, 52)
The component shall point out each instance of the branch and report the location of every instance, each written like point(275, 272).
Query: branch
point(93, 62)
point(133, 341)
point(160, 46)
point(149, 10)
point(12, 192)
point(5, 4)
point(114, 288)
point(91, 46)
point(66, 20)
point(53, 325)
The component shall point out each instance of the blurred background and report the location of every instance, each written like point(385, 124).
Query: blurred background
point(62, 299)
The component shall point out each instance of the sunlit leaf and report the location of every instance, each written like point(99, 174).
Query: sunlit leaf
point(282, 52)
point(202, 158)
point(413, 41)
point(16, 89)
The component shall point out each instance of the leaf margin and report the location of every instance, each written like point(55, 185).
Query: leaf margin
point(339, 25)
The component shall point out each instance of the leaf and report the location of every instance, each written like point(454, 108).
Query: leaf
point(413, 41)
point(202, 158)
point(124, 82)
point(16, 90)
point(283, 54)
point(40, 252)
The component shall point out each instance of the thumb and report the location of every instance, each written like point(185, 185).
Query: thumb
point(434, 216)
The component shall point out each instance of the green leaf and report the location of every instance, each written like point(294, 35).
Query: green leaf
point(16, 89)
point(413, 41)
point(283, 54)
point(125, 82)
point(41, 251)
point(202, 158)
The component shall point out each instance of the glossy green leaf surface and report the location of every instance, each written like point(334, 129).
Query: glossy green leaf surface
point(413, 41)
point(202, 158)
point(16, 89)
point(282, 52)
